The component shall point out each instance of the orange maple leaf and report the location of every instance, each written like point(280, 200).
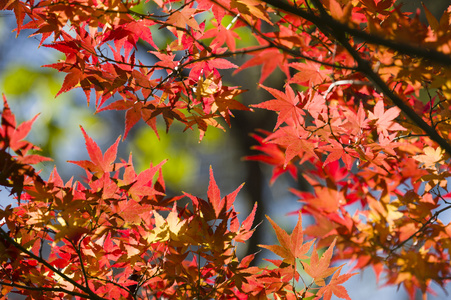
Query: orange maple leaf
point(184, 18)
point(430, 157)
point(335, 287)
point(269, 59)
point(318, 268)
point(291, 246)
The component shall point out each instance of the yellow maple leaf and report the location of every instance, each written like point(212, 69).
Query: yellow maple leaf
point(430, 157)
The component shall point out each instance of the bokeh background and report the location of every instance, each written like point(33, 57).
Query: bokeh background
point(31, 89)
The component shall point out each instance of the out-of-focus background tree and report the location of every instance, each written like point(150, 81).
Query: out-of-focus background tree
point(32, 89)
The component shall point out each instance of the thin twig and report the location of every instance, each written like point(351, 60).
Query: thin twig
point(47, 289)
point(433, 218)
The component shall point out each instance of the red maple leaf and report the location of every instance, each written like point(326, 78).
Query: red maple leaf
point(140, 186)
point(338, 151)
point(295, 141)
point(220, 205)
point(135, 112)
point(286, 104)
point(269, 59)
point(384, 119)
point(99, 163)
point(318, 268)
point(273, 155)
point(310, 73)
point(245, 232)
point(12, 136)
point(221, 35)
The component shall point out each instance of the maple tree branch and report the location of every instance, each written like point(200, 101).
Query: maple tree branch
point(128, 11)
point(116, 284)
point(225, 54)
point(432, 219)
point(329, 124)
point(344, 82)
point(294, 53)
point(409, 135)
point(199, 275)
point(365, 67)
point(334, 25)
point(78, 251)
point(47, 289)
point(91, 294)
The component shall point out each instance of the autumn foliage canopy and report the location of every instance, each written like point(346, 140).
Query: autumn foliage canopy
point(364, 113)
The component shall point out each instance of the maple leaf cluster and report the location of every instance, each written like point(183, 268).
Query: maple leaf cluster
point(120, 237)
point(100, 56)
point(349, 117)
point(346, 130)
